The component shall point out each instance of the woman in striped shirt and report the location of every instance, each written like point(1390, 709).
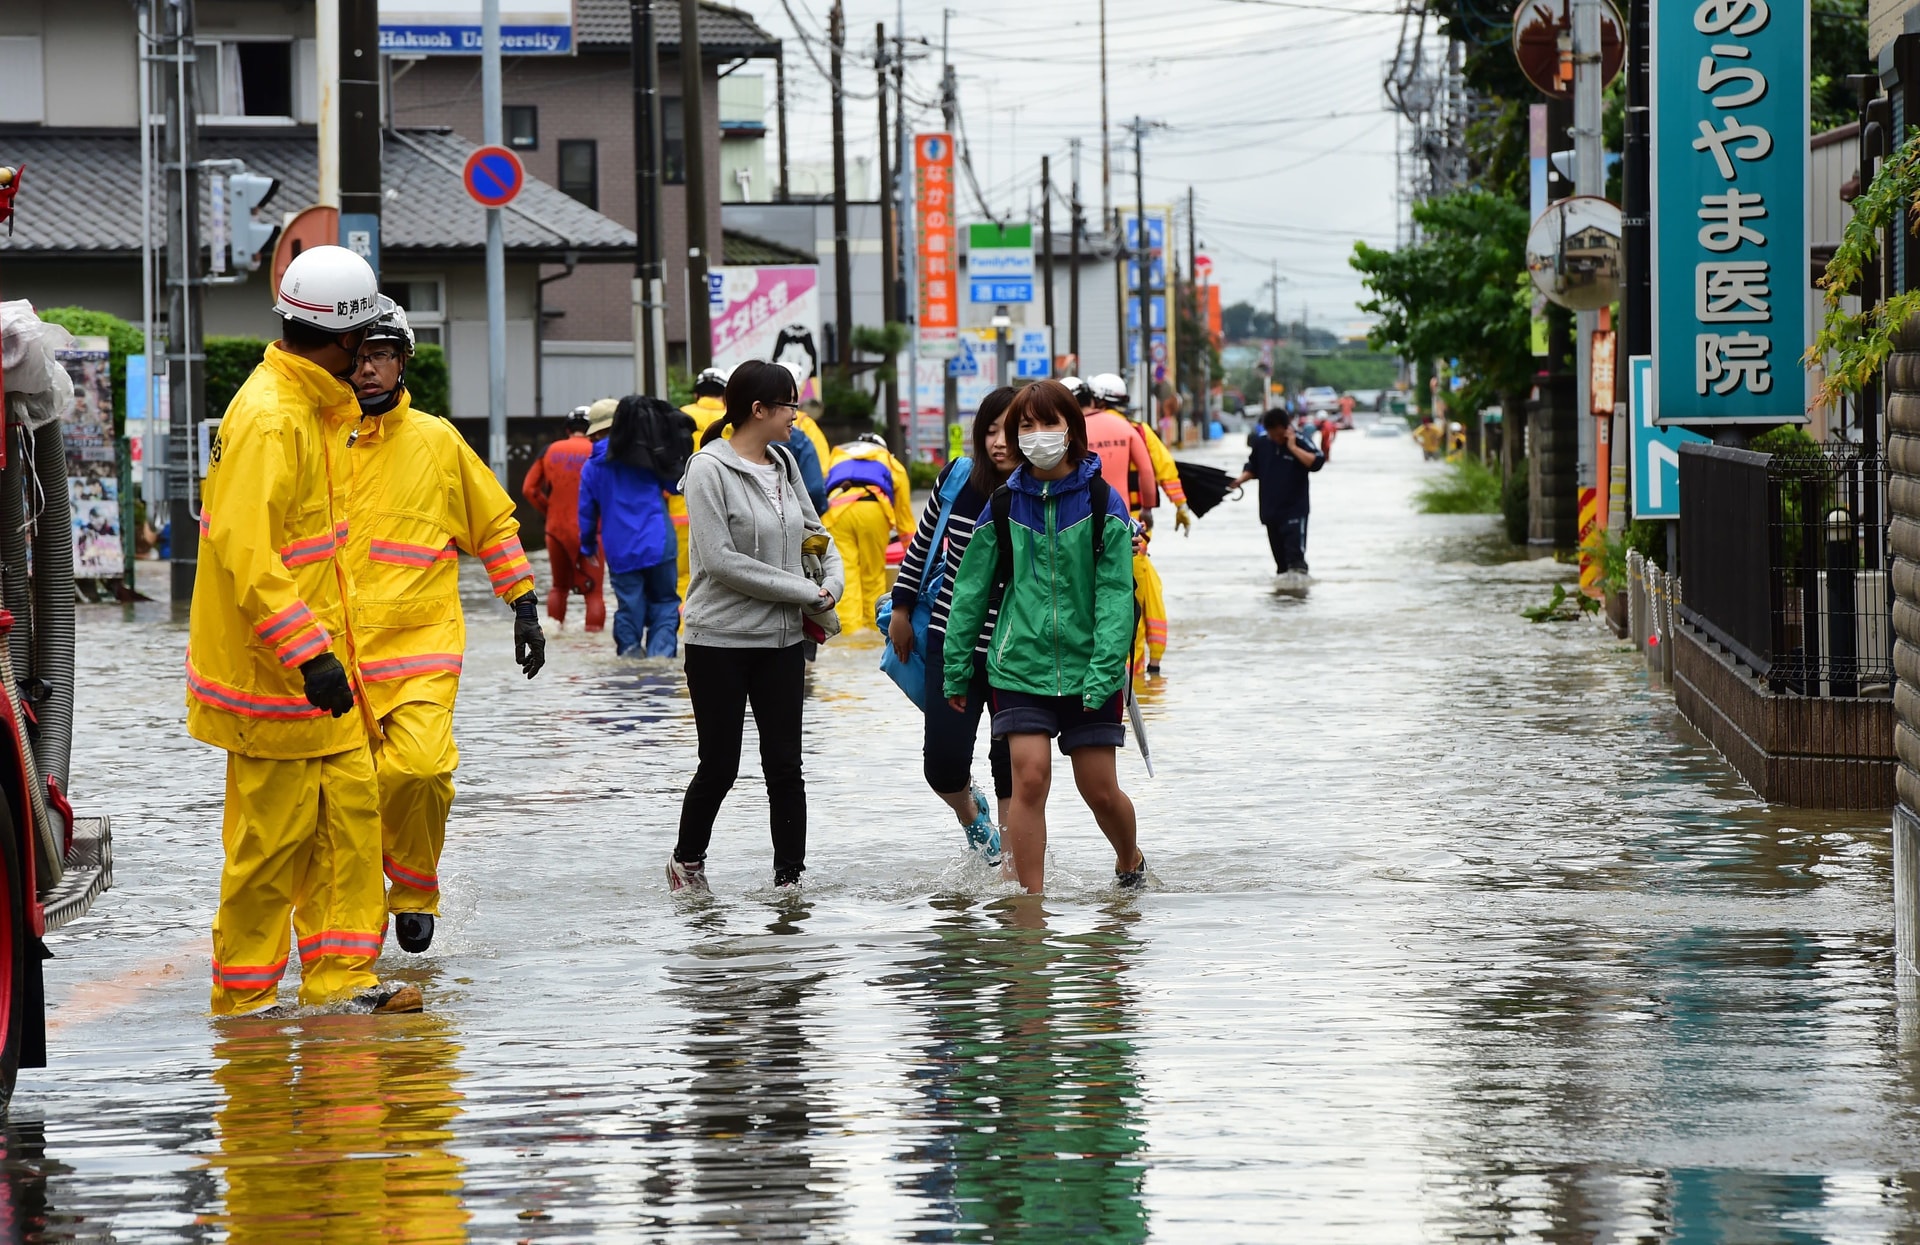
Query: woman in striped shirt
point(950, 735)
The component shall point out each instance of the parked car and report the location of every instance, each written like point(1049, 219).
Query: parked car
point(1320, 398)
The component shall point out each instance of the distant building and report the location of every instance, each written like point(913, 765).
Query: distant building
point(743, 140)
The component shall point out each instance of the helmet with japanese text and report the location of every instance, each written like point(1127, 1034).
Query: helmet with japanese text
point(331, 289)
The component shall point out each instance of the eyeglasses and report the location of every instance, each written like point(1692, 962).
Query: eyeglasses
point(791, 406)
point(379, 358)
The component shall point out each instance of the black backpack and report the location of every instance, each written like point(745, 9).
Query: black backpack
point(1001, 504)
point(653, 436)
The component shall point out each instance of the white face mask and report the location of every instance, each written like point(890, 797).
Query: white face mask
point(1044, 449)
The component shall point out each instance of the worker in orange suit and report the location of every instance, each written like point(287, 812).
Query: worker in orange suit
point(419, 498)
point(271, 664)
point(552, 486)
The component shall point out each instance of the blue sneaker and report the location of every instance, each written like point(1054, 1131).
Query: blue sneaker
point(982, 835)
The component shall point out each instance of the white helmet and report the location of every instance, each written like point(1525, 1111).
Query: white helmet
point(393, 326)
point(1110, 389)
point(799, 375)
point(712, 376)
point(331, 289)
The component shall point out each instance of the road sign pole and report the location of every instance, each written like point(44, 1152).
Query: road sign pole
point(496, 249)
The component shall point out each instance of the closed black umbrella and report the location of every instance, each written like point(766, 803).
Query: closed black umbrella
point(1206, 486)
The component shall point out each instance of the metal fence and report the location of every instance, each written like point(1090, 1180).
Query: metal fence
point(1785, 562)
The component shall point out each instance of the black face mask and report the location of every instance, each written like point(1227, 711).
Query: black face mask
point(386, 401)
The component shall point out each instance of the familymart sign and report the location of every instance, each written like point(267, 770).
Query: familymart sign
point(1731, 120)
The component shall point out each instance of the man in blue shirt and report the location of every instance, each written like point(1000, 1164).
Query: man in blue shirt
point(1282, 460)
point(623, 511)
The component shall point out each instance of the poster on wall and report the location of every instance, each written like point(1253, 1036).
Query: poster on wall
point(770, 312)
point(93, 472)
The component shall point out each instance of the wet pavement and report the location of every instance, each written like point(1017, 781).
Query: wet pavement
point(1458, 933)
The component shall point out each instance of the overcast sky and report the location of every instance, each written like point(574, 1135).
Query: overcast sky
point(1272, 108)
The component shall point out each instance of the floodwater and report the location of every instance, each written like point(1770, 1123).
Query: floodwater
point(1458, 933)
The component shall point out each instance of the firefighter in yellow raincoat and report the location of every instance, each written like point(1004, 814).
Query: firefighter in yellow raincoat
point(271, 675)
point(1150, 637)
point(418, 498)
point(868, 503)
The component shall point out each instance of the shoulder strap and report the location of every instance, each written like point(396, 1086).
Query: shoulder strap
point(1098, 492)
point(1002, 507)
point(933, 578)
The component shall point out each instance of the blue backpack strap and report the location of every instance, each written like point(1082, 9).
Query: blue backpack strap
point(936, 571)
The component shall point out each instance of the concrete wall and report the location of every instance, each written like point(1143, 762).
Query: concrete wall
point(587, 96)
point(1887, 21)
point(88, 58)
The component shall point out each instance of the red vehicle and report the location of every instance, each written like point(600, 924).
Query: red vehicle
point(54, 864)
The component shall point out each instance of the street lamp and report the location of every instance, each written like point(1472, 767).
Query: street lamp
point(1002, 347)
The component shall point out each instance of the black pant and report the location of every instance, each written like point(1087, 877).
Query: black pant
point(948, 751)
point(722, 682)
point(1288, 540)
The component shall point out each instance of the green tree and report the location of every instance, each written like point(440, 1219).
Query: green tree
point(1455, 295)
point(1839, 48)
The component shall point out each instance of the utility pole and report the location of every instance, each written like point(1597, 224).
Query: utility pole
point(186, 373)
point(1073, 265)
point(889, 273)
point(649, 268)
point(780, 106)
point(326, 64)
point(359, 154)
point(695, 136)
point(1589, 178)
point(1193, 300)
point(1144, 260)
point(496, 248)
point(842, 265)
point(1046, 251)
point(949, 109)
point(909, 259)
point(1106, 134)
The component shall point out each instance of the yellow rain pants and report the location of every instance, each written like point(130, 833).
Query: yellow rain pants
point(415, 761)
point(294, 834)
point(1151, 597)
point(860, 525)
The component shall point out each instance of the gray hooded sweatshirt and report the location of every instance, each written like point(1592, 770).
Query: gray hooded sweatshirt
point(746, 587)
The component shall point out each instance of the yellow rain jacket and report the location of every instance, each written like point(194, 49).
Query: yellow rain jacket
point(419, 497)
point(270, 593)
point(902, 514)
point(1165, 473)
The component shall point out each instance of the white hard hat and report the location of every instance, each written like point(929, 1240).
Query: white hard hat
point(799, 376)
point(1109, 388)
point(393, 326)
point(332, 289)
point(712, 376)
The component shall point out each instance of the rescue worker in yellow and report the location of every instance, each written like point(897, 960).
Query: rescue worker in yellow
point(271, 666)
point(418, 497)
point(1150, 639)
point(706, 408)
point(868, 503)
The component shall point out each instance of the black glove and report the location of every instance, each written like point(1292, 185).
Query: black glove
point(529, 642)
point(327, 684)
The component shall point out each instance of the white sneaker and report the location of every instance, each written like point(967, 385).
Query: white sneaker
point(681, 877)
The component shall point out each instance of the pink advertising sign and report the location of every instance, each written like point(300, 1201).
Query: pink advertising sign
point(768, 313)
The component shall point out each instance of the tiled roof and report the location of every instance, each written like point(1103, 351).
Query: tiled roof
point(723, 30)
point(80, 194)
point(746, 249)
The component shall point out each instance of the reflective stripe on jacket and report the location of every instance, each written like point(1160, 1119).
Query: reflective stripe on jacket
point(418, 498)
point(269, 592)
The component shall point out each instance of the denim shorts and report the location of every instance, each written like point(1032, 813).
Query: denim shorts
point(1021, 713)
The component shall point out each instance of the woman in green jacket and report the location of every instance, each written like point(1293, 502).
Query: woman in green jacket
point(1059, 540)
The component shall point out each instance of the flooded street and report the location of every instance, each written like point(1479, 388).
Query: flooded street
point(1458, 933)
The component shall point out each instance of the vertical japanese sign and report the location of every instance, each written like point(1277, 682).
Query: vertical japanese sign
point(1159, 323)
point(939, 275)
point(1730, 190)
point(93, 473)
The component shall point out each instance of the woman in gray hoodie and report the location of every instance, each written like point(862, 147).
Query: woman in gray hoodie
point(747, 601)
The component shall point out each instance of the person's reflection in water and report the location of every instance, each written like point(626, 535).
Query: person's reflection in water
point(1031, 1075)
point(755, 1100)
point(335, 1129)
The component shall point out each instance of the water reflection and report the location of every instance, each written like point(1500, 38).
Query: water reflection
point(336, 1128)
point(1029, 1077)
point(756, 1102)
